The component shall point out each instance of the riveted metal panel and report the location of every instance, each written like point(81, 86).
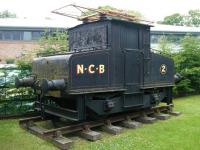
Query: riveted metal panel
point(52, 67)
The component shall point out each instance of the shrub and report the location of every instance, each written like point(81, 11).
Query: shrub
point(10, 61)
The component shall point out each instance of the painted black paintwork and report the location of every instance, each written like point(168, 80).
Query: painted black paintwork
point(132, 77)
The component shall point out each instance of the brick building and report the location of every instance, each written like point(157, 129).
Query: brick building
point(20, 35)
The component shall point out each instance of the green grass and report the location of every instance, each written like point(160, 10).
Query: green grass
point(177, 133)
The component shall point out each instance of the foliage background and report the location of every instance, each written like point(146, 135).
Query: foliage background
point(192, 18)
point(187, 64)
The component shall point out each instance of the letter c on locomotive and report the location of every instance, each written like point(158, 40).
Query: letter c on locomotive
point(91, 69)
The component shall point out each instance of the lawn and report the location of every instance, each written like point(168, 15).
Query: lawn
point(177, 133)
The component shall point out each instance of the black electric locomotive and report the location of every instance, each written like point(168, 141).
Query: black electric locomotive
point(109, 69)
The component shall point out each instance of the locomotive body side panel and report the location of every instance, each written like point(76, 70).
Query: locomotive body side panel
point(160, 72)
point(89, 71)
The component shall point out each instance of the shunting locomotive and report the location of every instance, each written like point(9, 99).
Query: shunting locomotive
point(109, 69)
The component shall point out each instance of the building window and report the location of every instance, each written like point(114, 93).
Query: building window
point(17, 35)
point(36, 35)
point(1, 35)
point(27, 36)
point(7, 35)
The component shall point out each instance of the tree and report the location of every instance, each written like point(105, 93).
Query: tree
point(190, 19)
point(175, 19)
point(190, 53)
point(53, 42)
point(164, 46)
point(187, 63)
point(194, 18)
point(7, 14)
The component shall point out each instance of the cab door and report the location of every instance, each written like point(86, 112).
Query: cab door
point(133, 70)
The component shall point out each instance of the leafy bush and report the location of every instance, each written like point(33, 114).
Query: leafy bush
point(10, 61)
point(165, 46)
point(187, 64)
point(53, 42)
point(24, 65)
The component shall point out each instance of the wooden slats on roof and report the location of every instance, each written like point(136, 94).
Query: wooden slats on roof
point(100, 13)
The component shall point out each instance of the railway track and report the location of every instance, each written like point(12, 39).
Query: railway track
point(18, 116)
point(126, 120)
